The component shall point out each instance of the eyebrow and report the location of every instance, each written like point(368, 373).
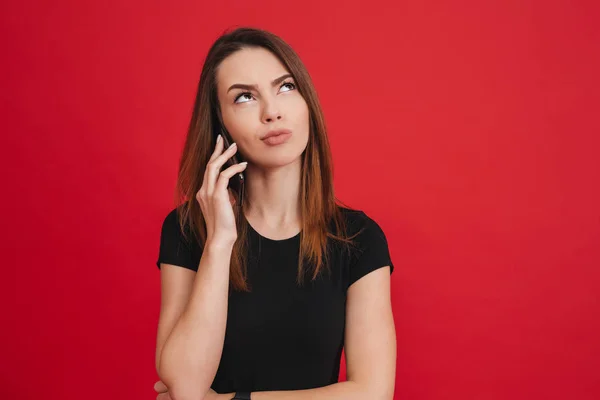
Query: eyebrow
point(255, 87)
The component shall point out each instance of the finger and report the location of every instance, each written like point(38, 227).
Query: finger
point(215, 168)
point(164, 396)
point(160, 387)
point(216, 153)
point(218, 148)
point(225, 175)
point(227, 154)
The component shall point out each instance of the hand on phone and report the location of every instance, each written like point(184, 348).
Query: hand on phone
point(236, 183)
point(214, 196)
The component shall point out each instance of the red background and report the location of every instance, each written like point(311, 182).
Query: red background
point(467, 129)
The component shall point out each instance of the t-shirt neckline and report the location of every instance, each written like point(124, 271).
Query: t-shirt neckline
point(266, 239)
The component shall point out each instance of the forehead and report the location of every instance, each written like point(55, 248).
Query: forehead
point(251, 66)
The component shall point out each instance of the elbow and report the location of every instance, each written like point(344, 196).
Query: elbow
point(182, 392)
point(182, 389)
point(182, 385)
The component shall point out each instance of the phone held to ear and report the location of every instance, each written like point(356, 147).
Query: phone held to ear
point(236, 182)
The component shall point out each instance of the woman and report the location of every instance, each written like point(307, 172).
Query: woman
point(265, 280)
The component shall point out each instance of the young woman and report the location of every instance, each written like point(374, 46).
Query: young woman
point(265, 280)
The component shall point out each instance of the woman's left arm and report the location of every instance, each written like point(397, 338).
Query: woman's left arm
point(370, 347)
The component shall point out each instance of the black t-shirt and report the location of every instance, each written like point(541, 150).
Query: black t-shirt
point(282, 336)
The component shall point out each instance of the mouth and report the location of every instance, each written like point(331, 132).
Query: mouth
point(276, 137)
point(279, 139)
point(276, 132)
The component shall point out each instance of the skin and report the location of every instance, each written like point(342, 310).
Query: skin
point(273, 172)
point(272, 185)
point(272, 177)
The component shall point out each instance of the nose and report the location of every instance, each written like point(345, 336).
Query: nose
point(271, 112)
point(271, 119)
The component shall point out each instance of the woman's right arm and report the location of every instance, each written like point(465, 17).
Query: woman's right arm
point(189, 358)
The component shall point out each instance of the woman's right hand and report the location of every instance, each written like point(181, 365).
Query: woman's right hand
point(214, 197)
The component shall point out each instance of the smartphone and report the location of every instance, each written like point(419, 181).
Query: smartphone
point(236, 182)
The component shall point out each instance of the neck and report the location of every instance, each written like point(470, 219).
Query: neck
point(273, 196)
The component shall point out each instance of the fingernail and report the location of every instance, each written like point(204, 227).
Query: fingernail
point(244, 163)
point(218, 138)
point(233, 144)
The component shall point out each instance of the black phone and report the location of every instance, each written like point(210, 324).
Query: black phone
point(236, 183)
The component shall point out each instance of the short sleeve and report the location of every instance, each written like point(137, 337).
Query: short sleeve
point(372, 250)
point(174, 248)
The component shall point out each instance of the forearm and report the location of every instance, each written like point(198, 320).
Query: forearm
point(191, 353)
point(347, 390)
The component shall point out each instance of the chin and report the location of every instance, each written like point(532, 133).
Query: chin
point(277, 157)
point(278, 160)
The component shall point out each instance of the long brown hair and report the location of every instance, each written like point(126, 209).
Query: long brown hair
point(320, 209)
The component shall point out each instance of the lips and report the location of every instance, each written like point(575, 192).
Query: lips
point(278, 139)
point(275, 133)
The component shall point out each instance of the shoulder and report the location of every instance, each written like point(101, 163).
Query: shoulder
point(362, 229)
point(178, 246)
point(370, 245)
point(172, 217)
point(172, 225)
point(171, 220)
point(358, 220)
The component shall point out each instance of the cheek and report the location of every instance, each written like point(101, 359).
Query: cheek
point(239, 123)
point(300, 113)
point(301, 124)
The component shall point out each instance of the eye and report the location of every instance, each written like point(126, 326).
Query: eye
point(242, 95)
point(289, 84)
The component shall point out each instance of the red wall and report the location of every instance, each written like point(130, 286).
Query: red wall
point(468, 129)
